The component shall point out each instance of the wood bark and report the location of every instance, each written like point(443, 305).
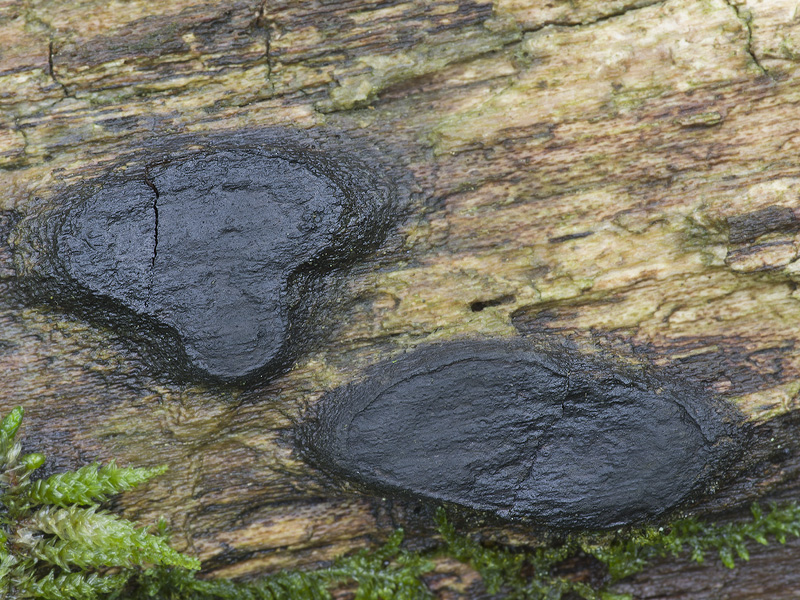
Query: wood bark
point(624, 174)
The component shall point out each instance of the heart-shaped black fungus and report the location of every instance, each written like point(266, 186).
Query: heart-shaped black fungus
point(216, 255)
point(498, 426)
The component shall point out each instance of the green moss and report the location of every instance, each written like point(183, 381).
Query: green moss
point(384, 574)
point(530, 574)
point(521, 574)
point(55, 542)
point(698, 539)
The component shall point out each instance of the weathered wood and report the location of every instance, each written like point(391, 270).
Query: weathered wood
point(767, 575)
point(625, 174)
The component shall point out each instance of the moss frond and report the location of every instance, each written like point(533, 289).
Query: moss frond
point(55, 542)
point(527, 574)
point(696, 538)
point(98, 538)
point(387, 573)
point(72, 586)
point(11, 422)
point(92, 483)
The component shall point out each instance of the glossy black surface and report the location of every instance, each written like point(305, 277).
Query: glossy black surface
point(219, 253)
point(523, 434)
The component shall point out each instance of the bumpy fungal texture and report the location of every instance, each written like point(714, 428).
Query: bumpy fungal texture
point(216, 255)
point(523, 434)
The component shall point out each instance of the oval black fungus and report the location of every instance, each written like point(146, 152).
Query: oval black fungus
point(217, 255)
point(498, 426)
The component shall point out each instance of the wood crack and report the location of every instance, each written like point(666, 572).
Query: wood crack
point(745, 17)
point(52, 71)
point(593, 21)
point(153, 187)
point(25, 141)
point(264, 24)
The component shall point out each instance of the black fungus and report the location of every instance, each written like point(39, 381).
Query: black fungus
point(215, 256)
point(523, 434)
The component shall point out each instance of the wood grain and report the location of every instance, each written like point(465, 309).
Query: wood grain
point(607, 172)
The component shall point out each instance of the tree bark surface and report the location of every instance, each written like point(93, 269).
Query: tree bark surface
point(624, 174)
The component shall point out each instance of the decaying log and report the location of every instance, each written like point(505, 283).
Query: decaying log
point(623, 174)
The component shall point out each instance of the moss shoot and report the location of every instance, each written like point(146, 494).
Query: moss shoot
point(55, 541)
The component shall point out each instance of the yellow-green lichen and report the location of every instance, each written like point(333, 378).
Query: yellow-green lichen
point(375, 73)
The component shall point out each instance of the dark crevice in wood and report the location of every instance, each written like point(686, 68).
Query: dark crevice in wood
point(592, 21)
point(265, 25)
point(746, 19)
point(52, 71)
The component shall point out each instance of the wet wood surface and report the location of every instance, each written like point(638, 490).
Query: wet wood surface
point(624, 174)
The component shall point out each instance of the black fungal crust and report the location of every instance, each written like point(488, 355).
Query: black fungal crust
point(218, 253)
point(524, 434)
